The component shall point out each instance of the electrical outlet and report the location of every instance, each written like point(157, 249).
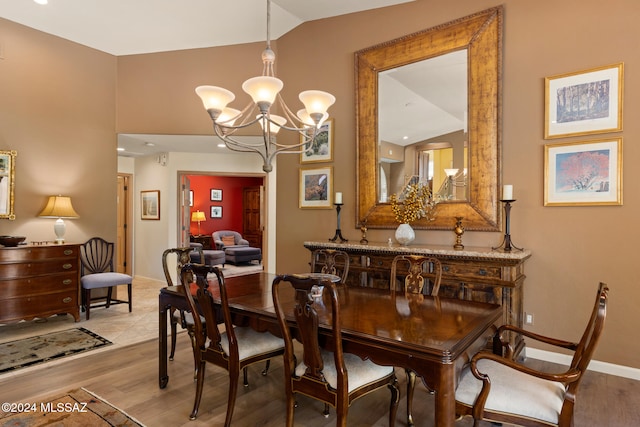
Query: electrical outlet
point(528, 319)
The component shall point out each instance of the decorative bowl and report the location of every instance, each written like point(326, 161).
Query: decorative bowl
point(11, 241)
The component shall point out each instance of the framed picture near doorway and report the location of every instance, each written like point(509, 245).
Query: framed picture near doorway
point(216, 211)
point(150, 204)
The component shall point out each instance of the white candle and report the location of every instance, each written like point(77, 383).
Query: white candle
point(507, 192)
point(338, 198)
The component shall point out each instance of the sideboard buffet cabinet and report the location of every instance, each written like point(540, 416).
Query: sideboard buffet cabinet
point(475, 274)
point(39, 281)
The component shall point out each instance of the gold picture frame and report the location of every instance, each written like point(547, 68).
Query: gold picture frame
point(584, 102)
point(7, 183)
point(321, 149)
point(316, 187)
point(587, 173)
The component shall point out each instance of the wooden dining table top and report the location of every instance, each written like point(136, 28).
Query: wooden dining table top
point(433, 336)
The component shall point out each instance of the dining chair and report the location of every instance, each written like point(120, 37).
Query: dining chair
point(424, 274)
point(182, 317)
point(330, 261)
point(333, 377)
point(499, 389)
point(235, 348)
point(97, 272)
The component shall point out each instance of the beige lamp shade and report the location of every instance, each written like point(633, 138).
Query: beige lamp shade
point(59, 207)
point(197, 216)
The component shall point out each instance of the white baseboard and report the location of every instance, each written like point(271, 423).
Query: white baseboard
point(595, 365)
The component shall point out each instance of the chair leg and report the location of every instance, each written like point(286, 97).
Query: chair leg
point(233, 391)
point(130, 301)
point(87, 302)
point(245, 377)
point(411, 385)
point(199, 385)
point(109, 295)
point(174, 331)
point(325, 413)
point(395, 398)
point(266, 368)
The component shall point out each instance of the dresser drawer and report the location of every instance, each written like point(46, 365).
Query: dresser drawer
point(471, 270)
point(39, 306)
point(18, 288)
point(27, 269)
point(34, 253)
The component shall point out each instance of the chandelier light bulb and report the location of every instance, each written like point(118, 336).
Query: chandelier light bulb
point(316, 102)
point(214, 99)
point(306, 119)
point(274, 128)
point(228, 116)
point(263, 90)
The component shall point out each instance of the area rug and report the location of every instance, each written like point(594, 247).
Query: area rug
point(42, 348)
point(77, 408)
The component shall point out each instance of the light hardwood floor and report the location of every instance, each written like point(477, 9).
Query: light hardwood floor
point(128, 378)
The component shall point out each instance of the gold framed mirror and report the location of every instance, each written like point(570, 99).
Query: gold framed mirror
point(480, 35)
point(7, 183)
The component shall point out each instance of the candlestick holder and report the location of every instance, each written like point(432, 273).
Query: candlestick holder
point(506, 244)
point(363, 229)
point(459, 230)
point(338, 231)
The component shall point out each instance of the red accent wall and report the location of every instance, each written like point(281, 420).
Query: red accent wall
point(231, 202)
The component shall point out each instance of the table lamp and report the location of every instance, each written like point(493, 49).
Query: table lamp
point(198, 216)
point(59, 207)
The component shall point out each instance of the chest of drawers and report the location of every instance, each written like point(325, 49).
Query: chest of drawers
point(39, 281)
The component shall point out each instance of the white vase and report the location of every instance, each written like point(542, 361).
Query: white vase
point(405, 234)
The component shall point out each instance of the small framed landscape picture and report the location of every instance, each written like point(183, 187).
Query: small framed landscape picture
point(321, 148)
point(583, 173)
point(216, 211)
point(583, 103)
point(316, 187)
point(150, 204)
point(216, 195)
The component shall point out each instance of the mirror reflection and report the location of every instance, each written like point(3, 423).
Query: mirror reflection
point(422, 126)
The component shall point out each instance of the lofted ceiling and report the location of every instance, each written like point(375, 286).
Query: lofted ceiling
point(127, 27)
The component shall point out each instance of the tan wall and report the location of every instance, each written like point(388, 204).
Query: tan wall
point(57, 109)
point(65, 137)
point(573, 247)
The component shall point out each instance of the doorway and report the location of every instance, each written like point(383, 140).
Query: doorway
point(229, 202)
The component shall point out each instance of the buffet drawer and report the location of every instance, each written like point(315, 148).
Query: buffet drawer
point(18, 288)
point(34, 253)
point(39, 305)
point(27, 269)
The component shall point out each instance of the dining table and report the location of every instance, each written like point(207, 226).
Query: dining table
point(435, 337)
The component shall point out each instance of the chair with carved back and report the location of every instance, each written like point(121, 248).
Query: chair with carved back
point(497, 388)
point(235, 348)
point(97, 272)
point(333, 377)
point(423, 276)
point(185, 319)
point(331, 261)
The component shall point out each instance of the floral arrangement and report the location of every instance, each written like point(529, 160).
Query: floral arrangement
point(414, 202)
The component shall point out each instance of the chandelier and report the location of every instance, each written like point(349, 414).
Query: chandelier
point(265, 93)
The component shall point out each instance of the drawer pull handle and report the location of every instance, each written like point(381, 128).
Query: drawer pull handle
point(67, 266)
point(67, 300)
point(482, 272)
point(67, 281)
point(68, 251)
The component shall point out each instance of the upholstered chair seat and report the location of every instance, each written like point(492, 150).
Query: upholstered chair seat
point(513, 392)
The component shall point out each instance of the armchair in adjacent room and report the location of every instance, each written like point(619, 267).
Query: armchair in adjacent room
point(225, 238)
